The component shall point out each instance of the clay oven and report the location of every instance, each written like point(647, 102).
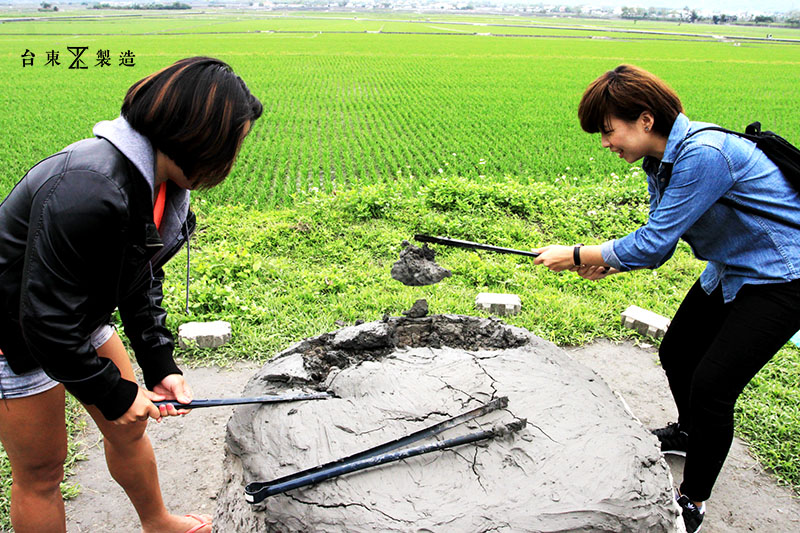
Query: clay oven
point(582, 462)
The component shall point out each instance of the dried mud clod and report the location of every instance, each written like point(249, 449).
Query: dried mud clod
point(418, 310)
point(416, 266)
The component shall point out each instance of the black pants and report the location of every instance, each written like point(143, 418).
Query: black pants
point(710, 352)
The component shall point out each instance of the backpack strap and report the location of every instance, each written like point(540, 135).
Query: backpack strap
point(752, 133)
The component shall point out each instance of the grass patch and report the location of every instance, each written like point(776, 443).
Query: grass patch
point(768, 416)
point(282, 275)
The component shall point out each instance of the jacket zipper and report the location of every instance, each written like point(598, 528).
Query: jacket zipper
point(161, 257)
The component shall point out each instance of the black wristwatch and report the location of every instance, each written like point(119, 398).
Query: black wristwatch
point(576, 255)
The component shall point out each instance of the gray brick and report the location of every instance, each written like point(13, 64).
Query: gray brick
point(498, 304)
point(645, 322)
point(204, 334)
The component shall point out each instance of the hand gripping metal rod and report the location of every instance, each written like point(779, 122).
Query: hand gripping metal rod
point(196, 404)
point(472, 245)
point(257, 491)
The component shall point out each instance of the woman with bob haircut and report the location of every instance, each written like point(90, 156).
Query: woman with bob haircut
point(87, 231)
point(739, 213)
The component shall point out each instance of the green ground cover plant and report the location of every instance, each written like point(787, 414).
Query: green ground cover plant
point(368, 138)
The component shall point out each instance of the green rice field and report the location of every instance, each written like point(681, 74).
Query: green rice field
point(353, 100)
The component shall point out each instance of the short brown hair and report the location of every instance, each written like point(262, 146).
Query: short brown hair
point(196, 111)
point(625, 93)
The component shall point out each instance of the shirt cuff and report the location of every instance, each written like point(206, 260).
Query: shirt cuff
point(610, 257)
point(158, 365)
point(118, 400)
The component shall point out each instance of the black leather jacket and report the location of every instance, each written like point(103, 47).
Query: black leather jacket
point(77, 240)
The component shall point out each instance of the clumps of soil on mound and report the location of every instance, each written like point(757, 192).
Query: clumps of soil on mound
point(374, 340)
point(416, 266)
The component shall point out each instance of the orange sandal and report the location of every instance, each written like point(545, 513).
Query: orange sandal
point(199, 526)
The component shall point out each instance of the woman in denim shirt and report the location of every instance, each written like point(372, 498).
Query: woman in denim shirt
point(738, 212)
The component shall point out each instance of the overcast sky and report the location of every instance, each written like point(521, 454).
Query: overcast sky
point(713, 5)
point(728, 6)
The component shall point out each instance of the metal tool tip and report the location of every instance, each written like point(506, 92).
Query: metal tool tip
point(502, 430)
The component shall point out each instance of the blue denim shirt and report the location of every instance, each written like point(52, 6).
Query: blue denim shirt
point(684, 187)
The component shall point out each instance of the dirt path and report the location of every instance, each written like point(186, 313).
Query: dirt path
point(189, 452)
point(745, 498)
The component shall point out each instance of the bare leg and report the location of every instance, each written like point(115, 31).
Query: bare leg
point(34, 436)
point(131, 461)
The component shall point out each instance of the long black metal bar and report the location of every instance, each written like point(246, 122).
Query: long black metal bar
point(254, 491)
point(196, 404)
point(472, 245)
point(273, 488)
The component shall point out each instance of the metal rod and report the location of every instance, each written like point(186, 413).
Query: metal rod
point(376, 460)
point(196, 404)
point(472, 245)
point(500, 403)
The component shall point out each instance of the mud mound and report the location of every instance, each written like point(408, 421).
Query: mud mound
point(582, 463)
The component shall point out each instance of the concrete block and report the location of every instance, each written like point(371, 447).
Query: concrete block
point(204, 334)
point(498, 304)
point(645, 322)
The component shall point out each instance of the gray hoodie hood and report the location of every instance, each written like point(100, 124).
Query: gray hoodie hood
point(137, 148)
point(133, 145)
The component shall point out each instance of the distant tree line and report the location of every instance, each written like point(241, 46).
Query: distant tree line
point(690, 15)
point(174, 5)
point(723, 19)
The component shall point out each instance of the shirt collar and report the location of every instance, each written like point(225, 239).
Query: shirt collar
point(676, 136)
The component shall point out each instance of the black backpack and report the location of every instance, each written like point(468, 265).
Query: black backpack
point(784, 154)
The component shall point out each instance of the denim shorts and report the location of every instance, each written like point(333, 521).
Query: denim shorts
point(36, 381)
